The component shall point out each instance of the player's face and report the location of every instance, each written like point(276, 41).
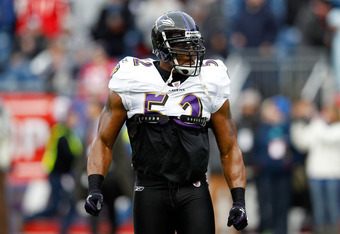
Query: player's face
point(184, 55)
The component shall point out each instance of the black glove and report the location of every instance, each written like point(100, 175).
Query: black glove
point(94, 202)
point(238, 216)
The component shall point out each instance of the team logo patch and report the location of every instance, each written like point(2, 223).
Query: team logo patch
point(197, 184)
point(164, 21)
point(139, 188)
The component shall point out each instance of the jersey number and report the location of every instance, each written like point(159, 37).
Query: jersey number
point(188, 100)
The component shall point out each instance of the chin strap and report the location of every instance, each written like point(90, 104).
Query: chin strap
point(166, 83)
point(191, 70)
point(170, 79)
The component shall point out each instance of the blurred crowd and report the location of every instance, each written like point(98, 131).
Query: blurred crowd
point(67, 46)
point(291, 147)
point(291, 151)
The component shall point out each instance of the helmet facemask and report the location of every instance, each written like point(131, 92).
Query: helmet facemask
point(189, 45)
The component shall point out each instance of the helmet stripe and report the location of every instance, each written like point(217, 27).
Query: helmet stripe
point(187, 23)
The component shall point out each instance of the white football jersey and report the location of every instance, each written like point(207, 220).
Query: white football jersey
point(138, 83)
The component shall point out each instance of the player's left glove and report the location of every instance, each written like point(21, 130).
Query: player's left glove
point(94, 202)
point(238, 216)
point(95, 199)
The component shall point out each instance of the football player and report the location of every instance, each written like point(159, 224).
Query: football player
point(168, 106)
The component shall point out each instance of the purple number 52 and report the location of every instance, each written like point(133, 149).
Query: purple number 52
point(188, 100)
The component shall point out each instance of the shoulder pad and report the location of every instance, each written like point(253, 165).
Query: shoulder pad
point(214, 68)
point(213, 62)
point(130, 65)
point(127, 71)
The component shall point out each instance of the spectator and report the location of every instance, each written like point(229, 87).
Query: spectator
point(62, 149)
point(333, 23)
point(18, 75)
point(94, 75)
point(273, 162)
point(247, 124)
point(255, 32)
point(250, 100)
point(302, 17)
point(39, 23)
point(255, 27)
point(119, 178)
point(148, 11)
point(55, 67)
point(46, 18)
point(218, 46)
point(7, 26)
point(207, 14)
point(111, 28)
point(85, 14)
point(318, 134)
point(5, 159)
point(30, 45)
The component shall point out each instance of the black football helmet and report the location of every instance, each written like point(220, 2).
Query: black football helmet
point(176, 28)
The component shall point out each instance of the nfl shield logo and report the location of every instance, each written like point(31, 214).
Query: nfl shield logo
point(197, 184)
point(176, 84)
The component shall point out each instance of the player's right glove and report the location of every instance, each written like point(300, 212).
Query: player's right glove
point(94, 202)
point(238, 216)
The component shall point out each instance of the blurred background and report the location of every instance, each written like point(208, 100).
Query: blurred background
point(56, 57)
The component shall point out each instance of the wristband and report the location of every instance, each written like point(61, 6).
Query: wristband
point(95, 182)
point(238, 195)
